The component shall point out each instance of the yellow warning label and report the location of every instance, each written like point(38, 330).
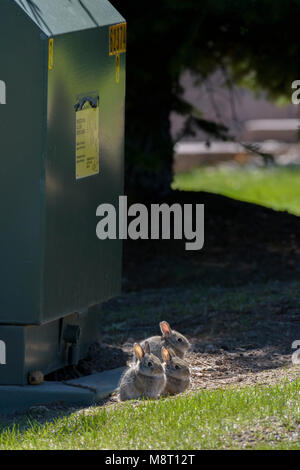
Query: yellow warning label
point(87, 142)
point(51, 54)
point(117, 38)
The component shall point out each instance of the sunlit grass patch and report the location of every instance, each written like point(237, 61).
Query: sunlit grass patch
point(205, 420)
point(274, 187)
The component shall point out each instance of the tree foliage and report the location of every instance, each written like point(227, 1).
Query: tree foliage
point(255, 42)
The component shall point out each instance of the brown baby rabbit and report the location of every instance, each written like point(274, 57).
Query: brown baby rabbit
point(177, 373)
point(145, 379)
point(169, 339)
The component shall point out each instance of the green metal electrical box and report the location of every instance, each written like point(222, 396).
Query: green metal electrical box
point(62, 101)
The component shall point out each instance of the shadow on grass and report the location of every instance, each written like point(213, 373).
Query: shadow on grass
point(244, 243)
point(41, 415)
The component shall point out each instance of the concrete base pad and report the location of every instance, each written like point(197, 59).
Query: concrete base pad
point(102, 384)
point(85, 391)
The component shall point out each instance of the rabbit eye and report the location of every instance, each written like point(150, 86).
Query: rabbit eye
point(179, 339)
point(176, 367)
point(149, 364)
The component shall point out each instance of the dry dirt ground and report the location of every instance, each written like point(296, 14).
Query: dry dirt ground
point(239, 358)
point(221, 368)
point(246, 344)
point(237, 299)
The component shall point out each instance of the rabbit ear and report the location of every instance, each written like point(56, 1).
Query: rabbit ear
point(147, 347)
point(171, 352)
point(165, 328)
point(138, 351)
point(165, 354)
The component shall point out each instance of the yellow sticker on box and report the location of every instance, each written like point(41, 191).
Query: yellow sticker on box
point(117, 38)
point(87, 142)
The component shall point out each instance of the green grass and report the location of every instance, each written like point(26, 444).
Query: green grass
point(256, 417)
point(276, 187)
